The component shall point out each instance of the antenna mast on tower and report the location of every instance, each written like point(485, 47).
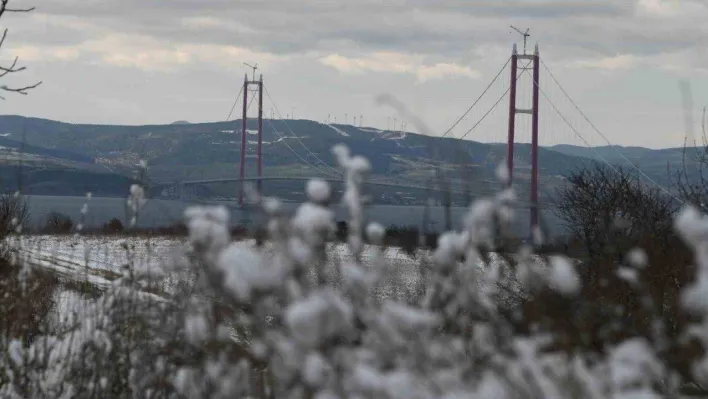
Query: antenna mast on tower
point(254, 67)
point(526, 35)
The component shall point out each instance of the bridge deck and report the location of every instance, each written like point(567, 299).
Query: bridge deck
point(436, 188)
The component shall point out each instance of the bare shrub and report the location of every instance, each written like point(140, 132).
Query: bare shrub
point(690, 180)
point(409, 239)
point(239, 232)
point(13, 213)
point(173, 230)
point(58, 223)
point(627, 235)
point(610, 211)
point(342, 231)
point(26, 297)
point(26, 302)
point(114, 226)
point(82, 287)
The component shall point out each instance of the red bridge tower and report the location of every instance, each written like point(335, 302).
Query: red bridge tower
point(259, 88)
point(535, 59)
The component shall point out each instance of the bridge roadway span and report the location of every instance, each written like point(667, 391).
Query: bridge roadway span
point(327, 179)
point(523, 204)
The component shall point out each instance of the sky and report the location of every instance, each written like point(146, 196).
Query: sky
point(151, 62)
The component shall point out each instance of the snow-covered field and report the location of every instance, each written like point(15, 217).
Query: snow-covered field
point(108, 253)
point(101, 259)
point(98, 257)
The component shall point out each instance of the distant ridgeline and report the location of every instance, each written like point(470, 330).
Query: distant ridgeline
point(68, 159)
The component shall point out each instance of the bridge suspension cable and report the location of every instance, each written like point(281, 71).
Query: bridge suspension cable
point(478, 99)
point(495, 104)
point(570, 125)
point(253, 99)
point(284, 140)
point(592, 125)
point(233, 107)
point(337, 171)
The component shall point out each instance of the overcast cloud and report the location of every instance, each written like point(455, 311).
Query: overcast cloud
point(152, 61)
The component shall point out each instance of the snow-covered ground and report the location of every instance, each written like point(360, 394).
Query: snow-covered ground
point(105, 256)
point(110, 253)
point(100, 259)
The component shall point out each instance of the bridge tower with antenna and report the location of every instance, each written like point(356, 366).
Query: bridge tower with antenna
point(256, 86)
point(525, 34)
point(513, 111)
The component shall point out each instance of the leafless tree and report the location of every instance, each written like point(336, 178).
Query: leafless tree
point(598, 203)
point(58, 223)
point(13, 213)
point(14, 66)
point(611, 213)
point(690, 180)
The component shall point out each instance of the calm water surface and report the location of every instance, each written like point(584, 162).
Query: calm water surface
point(164, 212)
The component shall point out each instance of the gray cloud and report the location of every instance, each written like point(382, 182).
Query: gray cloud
point(445, 27)
point(148, 61)
point(533, 8)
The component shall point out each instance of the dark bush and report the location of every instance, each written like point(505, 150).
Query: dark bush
point(342, 231)
point(114, 226)
point(176, 229)
point(58, 223)
point(13, 212)
point(431, 240)
point(261, 235)
point(25, 301)
point(609, 212)
point(239, 232)
point(84, 288)
point(407, 238)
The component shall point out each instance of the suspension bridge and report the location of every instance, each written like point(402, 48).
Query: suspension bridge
point(539, 112)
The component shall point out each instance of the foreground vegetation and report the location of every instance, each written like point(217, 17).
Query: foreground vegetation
point(287, 321)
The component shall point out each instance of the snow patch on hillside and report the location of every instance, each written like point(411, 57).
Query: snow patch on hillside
point(393, 136)
point(399, 136)
point(287, 137)
point(227, 142)
point(278, 140)
point(340, 131)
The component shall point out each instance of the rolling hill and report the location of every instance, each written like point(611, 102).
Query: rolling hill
point(193, 151)
point(661, 165)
